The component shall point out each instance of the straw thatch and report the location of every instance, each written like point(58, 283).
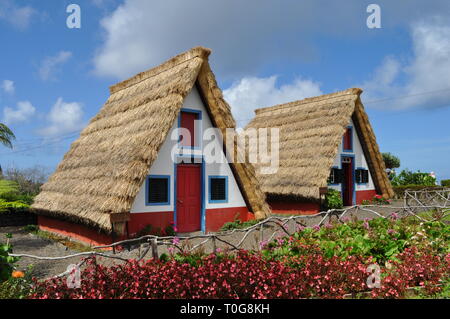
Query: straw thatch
point(99, 177)
point(311, 131)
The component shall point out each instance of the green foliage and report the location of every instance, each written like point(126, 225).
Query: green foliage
point(8, 187)
point(445, 182)
point(333, 199)
point(407, 177)
point(193, 259)
point(391, 161)
point(170, 230)
point(238, 224)
point(157, 231)
point(6, 135)
point(29, 179)
point(376, 200)
point(10, 197)
point(6, 261)
point(17, 288)
point(31, 228)
point(381, 238)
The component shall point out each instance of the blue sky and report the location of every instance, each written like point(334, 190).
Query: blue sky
point(54, 79)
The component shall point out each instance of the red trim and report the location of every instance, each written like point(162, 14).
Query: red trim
point(78, 232)
point(216, 218)
point(295, 208)
point(364, 195)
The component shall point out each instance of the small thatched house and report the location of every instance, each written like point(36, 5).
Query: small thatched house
point(323, 141)
point(129, 168)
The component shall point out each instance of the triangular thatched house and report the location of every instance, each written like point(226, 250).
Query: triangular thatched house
point(323, 141)
point(128, 169)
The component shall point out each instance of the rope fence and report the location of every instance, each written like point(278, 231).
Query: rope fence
point(264, 231)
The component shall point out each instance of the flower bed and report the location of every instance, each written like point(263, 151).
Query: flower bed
point(320, 262)
point(248, 275)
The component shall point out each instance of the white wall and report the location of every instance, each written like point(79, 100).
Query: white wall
point(164, 165)
point(360, 161)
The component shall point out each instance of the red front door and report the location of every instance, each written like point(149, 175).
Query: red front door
point(347, 185)
point(188, 199)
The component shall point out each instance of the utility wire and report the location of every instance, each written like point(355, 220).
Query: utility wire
point(26, 142)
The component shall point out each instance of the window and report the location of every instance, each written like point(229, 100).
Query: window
point(335, 176)
point(218, 189)
point(187, 121)
point(348, 140)
point(362, 176)
point(157, 190)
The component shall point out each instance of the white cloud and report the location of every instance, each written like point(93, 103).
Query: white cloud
point(63, 118)
point(244, 35)
point(141, 33)
point(251, 93)
point(51, 65)
point(17, 16)
point(422, 81)
point(24, 111)
point(8, 86)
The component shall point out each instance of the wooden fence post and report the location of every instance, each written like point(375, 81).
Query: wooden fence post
point(214, 244)
point(154, 244)
point(261, 235)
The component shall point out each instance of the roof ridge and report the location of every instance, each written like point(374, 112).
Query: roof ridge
point(307, 100)
point(198, 51)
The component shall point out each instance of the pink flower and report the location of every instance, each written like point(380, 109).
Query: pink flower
point(394, 216)
point(176, 241)
point(366, 224)
point(263, 244)
point(345, 219)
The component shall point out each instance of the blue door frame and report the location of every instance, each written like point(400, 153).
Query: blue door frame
point(353, 178)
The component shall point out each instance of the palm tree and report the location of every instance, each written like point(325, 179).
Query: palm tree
point(6, 135)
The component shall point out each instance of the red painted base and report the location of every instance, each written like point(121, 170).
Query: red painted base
point(294, 208)
point(216, 218)
point(78, 232)
point(139, 221)
point(364, 195)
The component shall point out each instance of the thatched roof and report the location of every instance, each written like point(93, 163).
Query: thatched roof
point(101, 174)
point(311, 131)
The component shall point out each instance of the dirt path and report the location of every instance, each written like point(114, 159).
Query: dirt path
point(26, 243)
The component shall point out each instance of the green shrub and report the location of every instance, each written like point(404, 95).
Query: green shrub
point(237, 224)
point(380, 238)
point(31, 228)
point(333, 199)
point(10, 197)
point(6, 261)
point(445, 182)
point(376, 200)
point(17, 288)
point(391, 161)
point(407, 177)
point(170, 230)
